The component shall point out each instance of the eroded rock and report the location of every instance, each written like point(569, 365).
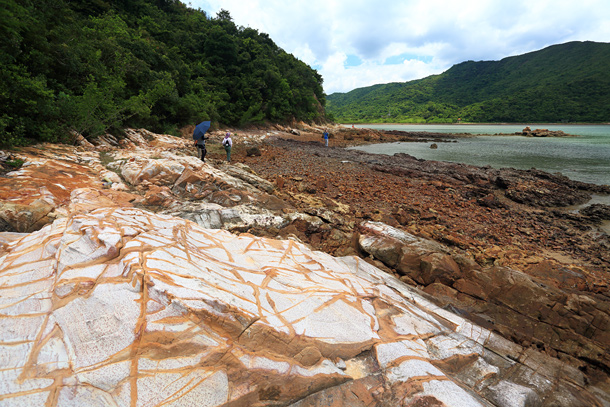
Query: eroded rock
point(126, 307)
point(544, 308)
point(422, 260)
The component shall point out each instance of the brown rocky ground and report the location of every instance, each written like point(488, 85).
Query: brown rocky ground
point(491, 220)
point(498, 247)
point(509, 217)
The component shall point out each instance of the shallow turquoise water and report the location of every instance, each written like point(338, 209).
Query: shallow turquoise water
point(585, 158)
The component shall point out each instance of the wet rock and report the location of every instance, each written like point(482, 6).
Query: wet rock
point(541, 189)
point(597, 212)
point(545, 194)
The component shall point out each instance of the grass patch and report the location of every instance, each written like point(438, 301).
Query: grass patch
point(105, 158)
point(14, 164)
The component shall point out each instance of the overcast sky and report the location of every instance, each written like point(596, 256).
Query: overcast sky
point(357, 43)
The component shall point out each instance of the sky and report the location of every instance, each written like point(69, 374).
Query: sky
point(358, 43)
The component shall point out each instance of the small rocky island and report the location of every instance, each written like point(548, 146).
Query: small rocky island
point(132, 273)
point(528, 132)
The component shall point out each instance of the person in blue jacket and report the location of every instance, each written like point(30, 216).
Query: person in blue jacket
point(326, 137)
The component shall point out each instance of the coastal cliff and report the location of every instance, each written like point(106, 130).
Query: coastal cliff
point(133, 273)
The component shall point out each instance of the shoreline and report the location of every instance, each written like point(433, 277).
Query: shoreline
point(563, 145)
point(477, 124)
point(305, 158)
point(528, 130)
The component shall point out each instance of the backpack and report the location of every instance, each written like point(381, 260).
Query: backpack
point(225, 142)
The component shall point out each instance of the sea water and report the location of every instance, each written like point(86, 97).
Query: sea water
point(584, 158)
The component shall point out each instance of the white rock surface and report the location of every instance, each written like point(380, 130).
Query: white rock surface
point(120, 306)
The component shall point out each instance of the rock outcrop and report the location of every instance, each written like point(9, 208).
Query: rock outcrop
point(528, 132)
point(118, 285)
point(121, 306)
point(544, 308)
point(598, 212)
point(154, 171)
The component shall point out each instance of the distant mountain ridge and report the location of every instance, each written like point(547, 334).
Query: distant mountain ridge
point(561, 83)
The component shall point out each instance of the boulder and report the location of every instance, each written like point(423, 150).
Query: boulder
point(422, 260)
point(253, 151)
point(158, 171)
point(245, 174)
point(25, 218)
point(597, 212)
point(121, 306)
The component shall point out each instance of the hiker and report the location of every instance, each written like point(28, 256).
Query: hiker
point(200, 143)
point(227, 143)
point(326, 137)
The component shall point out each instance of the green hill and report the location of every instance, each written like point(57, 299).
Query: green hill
point(566, 82)
point(94, 66)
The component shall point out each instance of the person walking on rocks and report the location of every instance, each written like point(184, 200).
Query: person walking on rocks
point(200, 143)
point(326, 137)
point(227, 143)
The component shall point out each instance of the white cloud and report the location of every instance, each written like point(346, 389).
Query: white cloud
point(322, 33)
point(342, 79)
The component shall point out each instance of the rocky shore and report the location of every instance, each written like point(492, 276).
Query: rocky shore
point(373, 280)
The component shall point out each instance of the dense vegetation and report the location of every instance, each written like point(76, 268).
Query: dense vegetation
point(93, 66)
point(561, 83)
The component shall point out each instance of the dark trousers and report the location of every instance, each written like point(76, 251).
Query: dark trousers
point(203, 152)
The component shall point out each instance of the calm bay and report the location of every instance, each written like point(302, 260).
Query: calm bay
point(584, 158)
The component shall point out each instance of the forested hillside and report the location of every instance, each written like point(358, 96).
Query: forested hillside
point(562, 83)
point(94, 66)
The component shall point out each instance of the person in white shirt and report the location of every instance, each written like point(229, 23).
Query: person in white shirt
point(227, 143)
